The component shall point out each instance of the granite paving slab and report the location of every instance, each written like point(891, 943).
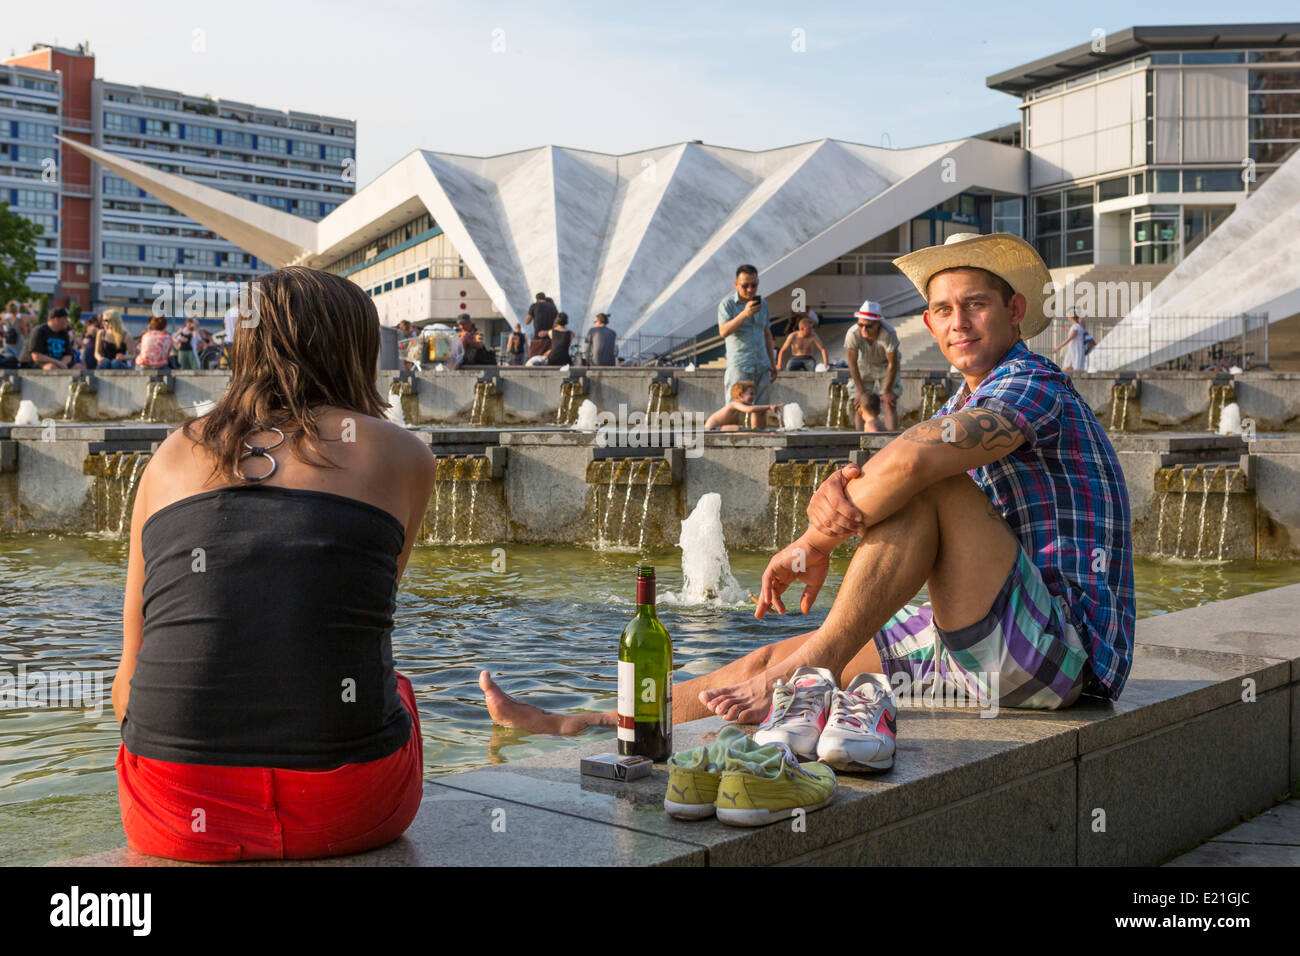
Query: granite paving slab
point(456, 828)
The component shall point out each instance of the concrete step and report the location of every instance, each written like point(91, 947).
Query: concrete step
point(1201, 735)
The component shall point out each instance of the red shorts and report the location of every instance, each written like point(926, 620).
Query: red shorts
point(208, 814)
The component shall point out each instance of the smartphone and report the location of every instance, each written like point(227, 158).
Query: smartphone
point(758, 300)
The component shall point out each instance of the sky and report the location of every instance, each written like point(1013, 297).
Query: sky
point(485, 78)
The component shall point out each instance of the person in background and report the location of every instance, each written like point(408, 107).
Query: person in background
point(801, 345)
point(602, 342)
point(183, 341)
point(728, 417)
point(872, 350)
point(113, 344)
point(208, 351)
point(869, 413)
point(561, 342)
point(11, 335)
point(744, 325)
point(90, 330)
point(50, 345)
point(1075, 358)
point(541, 315)
point(155, 344)
point(538, 349)
point(517, 346)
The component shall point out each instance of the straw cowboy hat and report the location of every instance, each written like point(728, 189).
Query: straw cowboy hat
point(1001, 253)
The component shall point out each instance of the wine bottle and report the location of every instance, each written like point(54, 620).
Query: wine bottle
point(645, 679)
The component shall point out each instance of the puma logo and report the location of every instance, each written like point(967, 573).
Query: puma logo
point(731, 796)
point(680, 791)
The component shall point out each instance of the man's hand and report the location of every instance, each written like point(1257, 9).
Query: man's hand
point(830, 511)
point(773, 372)
point(797, 562)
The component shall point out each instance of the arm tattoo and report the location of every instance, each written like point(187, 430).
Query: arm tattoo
point(968, 428)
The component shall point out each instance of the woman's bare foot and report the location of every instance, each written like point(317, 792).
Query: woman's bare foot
point(508, 712)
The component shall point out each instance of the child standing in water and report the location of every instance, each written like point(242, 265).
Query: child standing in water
point(727, 418)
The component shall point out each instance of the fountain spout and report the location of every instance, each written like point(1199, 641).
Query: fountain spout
point(1123, 393)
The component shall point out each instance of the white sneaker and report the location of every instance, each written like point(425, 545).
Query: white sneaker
point(860, 733)
point(799, 711)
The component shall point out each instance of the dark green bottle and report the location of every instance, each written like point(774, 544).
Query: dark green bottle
point(645, 679)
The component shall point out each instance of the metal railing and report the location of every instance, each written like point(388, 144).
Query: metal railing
point(643, 349)
point(1195, 343)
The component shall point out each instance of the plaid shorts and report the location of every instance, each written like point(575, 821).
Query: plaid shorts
point(1023, 653)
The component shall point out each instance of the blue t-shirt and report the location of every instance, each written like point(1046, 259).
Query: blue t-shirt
point(747, 346)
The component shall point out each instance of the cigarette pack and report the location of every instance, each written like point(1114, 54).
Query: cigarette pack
point(614, 767)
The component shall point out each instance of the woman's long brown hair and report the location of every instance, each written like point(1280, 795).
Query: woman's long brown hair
point(312, 339)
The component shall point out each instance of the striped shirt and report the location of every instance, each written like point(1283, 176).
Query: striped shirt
point(1063, 494)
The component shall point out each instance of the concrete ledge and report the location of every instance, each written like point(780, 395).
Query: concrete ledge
point(1178, 759)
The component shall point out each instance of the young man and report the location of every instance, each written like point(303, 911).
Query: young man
point(50, 345)
point(1009, 506)
point(872, 350)
point(745, 327)
point(601, 343)
point(801, 344)
point(541, 315)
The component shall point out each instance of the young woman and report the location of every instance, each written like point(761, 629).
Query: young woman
point(113, 344)
point(155, 344)
point(262, 717)
point(1075, 359)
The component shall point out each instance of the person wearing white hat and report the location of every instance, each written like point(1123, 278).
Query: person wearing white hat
point(872, 350)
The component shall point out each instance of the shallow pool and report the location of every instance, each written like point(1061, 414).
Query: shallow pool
point(546, 626)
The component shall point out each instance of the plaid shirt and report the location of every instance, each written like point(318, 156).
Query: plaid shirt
point(1063, 494)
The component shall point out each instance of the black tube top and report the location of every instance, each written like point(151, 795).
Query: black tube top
point(268, 617)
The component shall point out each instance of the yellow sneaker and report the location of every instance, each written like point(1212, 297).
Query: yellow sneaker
point(693, 775)
point(760, 788)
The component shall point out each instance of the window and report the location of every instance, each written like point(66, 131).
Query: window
point(36, 199)
point(201, 134)
point(336, 154)
point(121, 250)
point(1218, 56)
point(275, 202)
point(272, 144)
point(1274, 103)
point(1112, 188)
point(1212, 180)
point(159, 104)
point(48, 223)
point(304, 148)
point(1008, 216)
point(121, 123)
point(1166, 180)
point(36, 131)
point(236, 139)
point(1272, 80)
point(153, 127)
point(160, 254)
point(32, 154)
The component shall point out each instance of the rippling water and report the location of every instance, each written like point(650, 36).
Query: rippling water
point(546, 626)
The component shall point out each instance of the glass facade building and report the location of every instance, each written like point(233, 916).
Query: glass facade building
point(1143, 142)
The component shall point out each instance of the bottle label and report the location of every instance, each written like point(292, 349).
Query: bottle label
point(627, 701)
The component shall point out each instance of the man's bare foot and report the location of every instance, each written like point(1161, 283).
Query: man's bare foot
point(508, 712)
point(746, 703)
